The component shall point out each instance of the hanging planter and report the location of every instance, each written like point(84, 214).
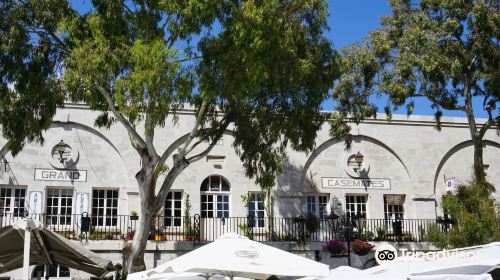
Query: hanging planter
point(361, 247)
point(336, 247)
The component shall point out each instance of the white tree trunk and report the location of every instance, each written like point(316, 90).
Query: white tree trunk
point(135, 261)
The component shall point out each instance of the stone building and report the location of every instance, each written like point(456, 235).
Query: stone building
point(407, 165)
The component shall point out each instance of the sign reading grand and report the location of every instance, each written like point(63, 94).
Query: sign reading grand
point(348, 183)
point(60, 175)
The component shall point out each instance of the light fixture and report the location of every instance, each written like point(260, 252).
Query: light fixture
point(358, 157)
point(61, 149)
point(331, 219)
point(359, 219)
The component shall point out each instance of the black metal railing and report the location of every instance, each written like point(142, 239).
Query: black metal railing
point(122, 227)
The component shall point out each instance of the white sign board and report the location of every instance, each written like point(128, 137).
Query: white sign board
point(60, 175)
point(450, 185)
point(35, 202)
point(349, 183)
point(82, 202)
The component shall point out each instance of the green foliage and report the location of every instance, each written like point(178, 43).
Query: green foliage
point(473, 215)
point(311, 222)
point(445, 51)
point(190, 232)
point(381, 232)
point(266, 65)
point(247, 231)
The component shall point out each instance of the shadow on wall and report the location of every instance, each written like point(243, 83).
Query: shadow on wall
point(291, 193)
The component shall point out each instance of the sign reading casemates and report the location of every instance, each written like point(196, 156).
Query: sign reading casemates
point(60, 175)
point(348, 183)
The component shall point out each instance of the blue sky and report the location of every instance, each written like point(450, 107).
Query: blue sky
point(350, 21)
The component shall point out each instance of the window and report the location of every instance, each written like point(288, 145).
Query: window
point(393, 206)
point(12, 200)
point(173, 209)
point(355, 204)
point(55, 271)
point(104, 207)
point(59, 206)
point(255, 210)
point(317, 205)
point(215, 197)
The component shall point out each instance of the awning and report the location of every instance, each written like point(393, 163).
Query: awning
point(48, 247)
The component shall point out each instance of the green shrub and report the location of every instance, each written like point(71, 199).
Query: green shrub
point(473, 216)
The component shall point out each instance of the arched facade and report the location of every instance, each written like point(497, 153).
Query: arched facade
point(406, 163)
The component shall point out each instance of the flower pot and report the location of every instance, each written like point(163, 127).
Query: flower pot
point(134, 218)
point(362, 252)
point(335, 251)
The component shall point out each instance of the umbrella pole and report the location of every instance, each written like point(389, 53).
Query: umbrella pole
point(26, 259)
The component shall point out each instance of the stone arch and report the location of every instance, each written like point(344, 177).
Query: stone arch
point(454, 150)
point(332, 141)
point(4, 149)
point(80, 128)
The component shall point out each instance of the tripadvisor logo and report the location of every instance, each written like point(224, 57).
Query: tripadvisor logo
point(387, 255)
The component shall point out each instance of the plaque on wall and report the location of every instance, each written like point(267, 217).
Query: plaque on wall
point(349, 183)
point(60, 175)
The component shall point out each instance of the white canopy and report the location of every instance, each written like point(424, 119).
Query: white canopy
point(47, 247)
point(234, 255)
point(174, 276)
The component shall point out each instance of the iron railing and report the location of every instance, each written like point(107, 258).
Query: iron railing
point(122, 227)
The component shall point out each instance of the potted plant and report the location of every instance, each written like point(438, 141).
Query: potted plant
point(130, 235)
point(133, 216)
point(336, 247)
point(361, 247)
point(381, 233)
point(190, 232)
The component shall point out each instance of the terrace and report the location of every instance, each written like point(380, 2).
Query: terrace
point(196, 228)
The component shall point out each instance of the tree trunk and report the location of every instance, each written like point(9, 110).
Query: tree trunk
point(478, 160)
point(135, 261)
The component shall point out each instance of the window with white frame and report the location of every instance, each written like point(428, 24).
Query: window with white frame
point(59, 206)
point(394, 206)
point(355, 204)
point(12, 200)
point(173, 209)
point(256, 212)
point(317, 204)
point(55, 271)
point(104, 207)
point(215, 191)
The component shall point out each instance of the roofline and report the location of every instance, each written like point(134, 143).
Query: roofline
point(396, 119)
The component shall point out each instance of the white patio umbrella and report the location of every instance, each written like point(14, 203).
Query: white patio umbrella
point(173, 276)
point(234, 255)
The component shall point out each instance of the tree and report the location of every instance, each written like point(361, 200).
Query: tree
point(473, 217)
point(259, 69)
point(446, 51)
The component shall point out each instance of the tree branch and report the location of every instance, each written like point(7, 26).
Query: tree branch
point(199, 118)
point(149, 131)
point(136, 140)
point(216, 139)
point(485, 127)
point(185, 59)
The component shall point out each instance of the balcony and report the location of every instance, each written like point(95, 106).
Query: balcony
point(195, 228)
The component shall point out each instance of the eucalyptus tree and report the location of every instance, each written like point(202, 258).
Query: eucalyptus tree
point(446, 51)
point(260, 69)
